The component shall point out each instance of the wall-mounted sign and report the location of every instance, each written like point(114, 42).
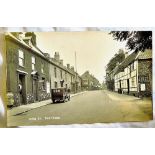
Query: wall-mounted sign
point(142, 86)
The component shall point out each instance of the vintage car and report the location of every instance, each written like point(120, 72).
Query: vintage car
point(60, 95)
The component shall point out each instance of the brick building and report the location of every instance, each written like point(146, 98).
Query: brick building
point(89, 82)
point(31, 73)
point(27, 69)
point(64, 76)
point(134, 75)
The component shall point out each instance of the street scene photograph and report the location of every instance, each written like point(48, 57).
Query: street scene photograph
point(61, 78)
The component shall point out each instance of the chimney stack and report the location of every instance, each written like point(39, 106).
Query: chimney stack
point(61, 62)
point(57, 56)
point(33, 39)
point(72, 68)
point(47, 55)
point(18, 35)
point(68, 66)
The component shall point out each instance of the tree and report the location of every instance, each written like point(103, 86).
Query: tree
point(136, 40)
point(118, 58)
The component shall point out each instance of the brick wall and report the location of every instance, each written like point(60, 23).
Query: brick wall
point(145, 70)
point(12, 48)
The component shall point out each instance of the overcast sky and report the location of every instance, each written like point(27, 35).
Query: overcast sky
point(93, 49)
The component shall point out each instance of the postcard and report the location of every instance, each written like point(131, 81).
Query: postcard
point(78, 77)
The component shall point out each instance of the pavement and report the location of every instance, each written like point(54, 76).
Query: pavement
point(25, 108)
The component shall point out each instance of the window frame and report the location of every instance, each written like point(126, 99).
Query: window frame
point(33, 63)
point(22, 58)
point(55, 72)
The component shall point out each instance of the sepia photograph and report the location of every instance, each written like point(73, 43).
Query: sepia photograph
point(61, 78)
point(77, 77)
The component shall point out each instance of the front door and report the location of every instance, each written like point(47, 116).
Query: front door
point(35, 88)
point(22, 89)
point(120, 84)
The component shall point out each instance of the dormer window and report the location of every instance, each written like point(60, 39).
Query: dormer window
point(21, 58)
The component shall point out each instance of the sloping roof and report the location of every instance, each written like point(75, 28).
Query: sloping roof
point(37, 50)
point(21, 41)
point(126, 62)
point(145, 55)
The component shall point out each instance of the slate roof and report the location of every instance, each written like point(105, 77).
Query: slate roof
point(21, 41)
point(147, 54)
point(126, 62)
point(38, 51)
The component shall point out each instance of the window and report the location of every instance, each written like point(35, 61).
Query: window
point(122, 83)
point(61, 74)
point(55, 72)
point(66, 76)
point(42, 68)
point(61, 83)
point(21, 58)
point(132, 67)
point(33, 63)
point(133, 82)
point(55, 84)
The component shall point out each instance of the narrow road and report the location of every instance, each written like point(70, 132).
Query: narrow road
point(90, 107)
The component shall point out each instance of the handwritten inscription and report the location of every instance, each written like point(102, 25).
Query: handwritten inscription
point(44, 118)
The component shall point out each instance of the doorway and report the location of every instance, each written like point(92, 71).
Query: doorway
point(22, 89)
point(35, 89)
point(128, 86)
point(120, 85)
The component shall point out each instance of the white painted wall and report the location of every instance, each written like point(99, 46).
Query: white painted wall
point(123, 76)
